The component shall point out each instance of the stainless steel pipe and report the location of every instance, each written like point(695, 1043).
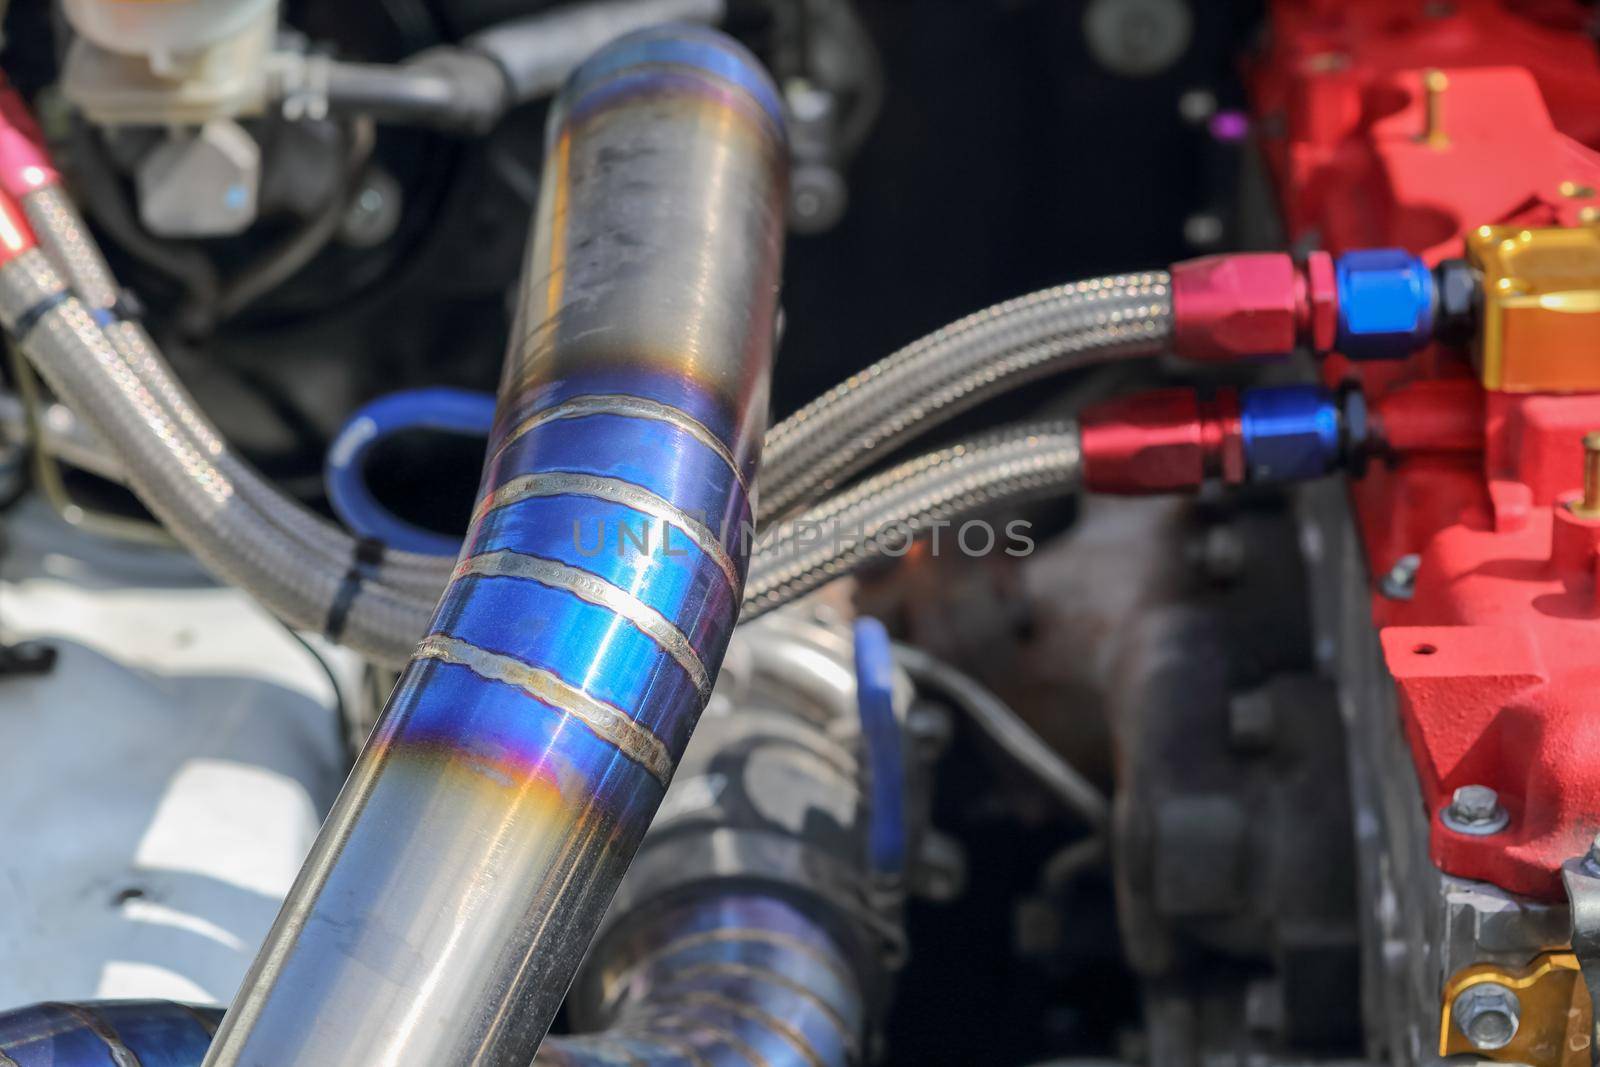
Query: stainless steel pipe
point(454, 889)
point(750, 931)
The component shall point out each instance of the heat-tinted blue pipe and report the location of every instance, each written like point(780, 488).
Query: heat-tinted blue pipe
point(113, 1033)
point(712, 982)
point(458, 881)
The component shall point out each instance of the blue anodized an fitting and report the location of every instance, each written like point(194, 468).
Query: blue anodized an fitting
point(1386, 303)
point(1291, 432)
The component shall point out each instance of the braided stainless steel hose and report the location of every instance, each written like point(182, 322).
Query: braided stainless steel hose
point(910, 391)
point(1125, 316)
point(62, 234)
point(882, 516)
point(182, 485)
point(71, 247)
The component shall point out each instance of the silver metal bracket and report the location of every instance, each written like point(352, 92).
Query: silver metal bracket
point(1581, 877)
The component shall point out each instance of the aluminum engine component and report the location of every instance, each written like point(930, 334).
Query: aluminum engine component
point(201, 183)
point(165, 776)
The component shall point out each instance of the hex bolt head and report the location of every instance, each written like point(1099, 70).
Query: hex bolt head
point(1475, 809)
point(1401, 581)
point(1488, 1014)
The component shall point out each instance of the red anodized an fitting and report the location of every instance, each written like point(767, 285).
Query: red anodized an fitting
point(1161, 442)
point(16, 235)
point(1251, 305)
point(25, 166)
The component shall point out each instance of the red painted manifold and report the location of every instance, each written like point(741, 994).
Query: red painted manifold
point(1496, 657)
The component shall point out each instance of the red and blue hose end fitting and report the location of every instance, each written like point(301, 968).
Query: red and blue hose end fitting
point(1369, 304)
point(1172, 440)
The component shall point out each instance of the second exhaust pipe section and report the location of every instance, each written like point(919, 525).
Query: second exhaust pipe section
point(458, 881)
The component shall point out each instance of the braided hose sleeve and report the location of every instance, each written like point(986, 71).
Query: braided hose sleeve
point(926, 383)
point(1052, 331)
point(185, 489)
point(66, 239)
point(882, 516)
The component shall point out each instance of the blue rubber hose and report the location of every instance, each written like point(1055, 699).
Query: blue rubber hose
point(441, 409)
point(880, 732)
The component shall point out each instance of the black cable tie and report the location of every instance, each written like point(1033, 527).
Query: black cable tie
point(364, 563)
point(31, 318)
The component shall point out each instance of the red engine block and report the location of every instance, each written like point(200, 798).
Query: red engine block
point(1496, 656)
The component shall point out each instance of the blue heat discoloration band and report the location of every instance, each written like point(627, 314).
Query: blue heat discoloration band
point(639, 587)
point(763, 978)
point(541, 627)
point(680, 46)
point(630, 406)
point(107, 1034)
point(655, 456)
point(658, 564)
point(645, 383)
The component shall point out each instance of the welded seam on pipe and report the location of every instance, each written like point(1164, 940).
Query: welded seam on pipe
point(648, 1026)
point(749, 1013)
point(607, 722)
point(121, 1055)
point(674, 1045)
point(613, 491)
point(635, 407)
point(595, 590)
point(750, 972)
point(605, 1041)
point(728, 935)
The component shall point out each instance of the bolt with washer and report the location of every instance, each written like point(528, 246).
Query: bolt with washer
point(1475, 809)
point(1488, 1014)
point(1401, 580)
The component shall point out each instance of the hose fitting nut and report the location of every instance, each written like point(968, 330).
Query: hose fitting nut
point(1232, 307)
point(16, 234)
point(1459, 288)
point(24, 164)
point(1386, 304)
point(1291, 433)
point(1162, 441)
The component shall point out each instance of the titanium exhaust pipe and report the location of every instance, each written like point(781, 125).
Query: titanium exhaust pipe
point(450, 897)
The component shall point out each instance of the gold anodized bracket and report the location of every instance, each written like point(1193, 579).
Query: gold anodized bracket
point(1553, 1027)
